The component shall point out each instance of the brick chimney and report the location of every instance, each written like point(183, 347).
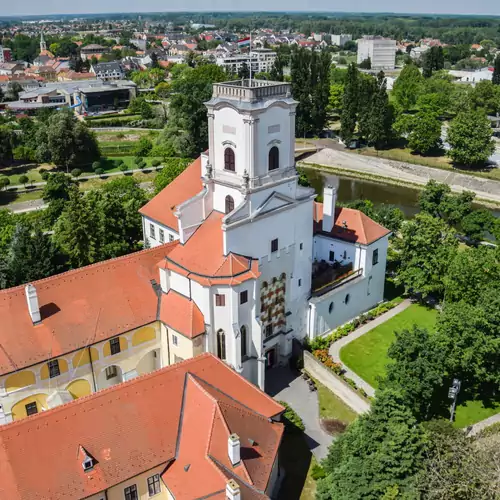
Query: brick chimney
point(233, 490)
point(32, 300)
point(329, 201)
point(233, 449)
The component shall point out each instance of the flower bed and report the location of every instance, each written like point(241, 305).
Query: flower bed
point(322, 343)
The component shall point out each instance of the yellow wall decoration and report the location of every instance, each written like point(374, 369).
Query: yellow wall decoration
point(143, 335)
point(63, 368)
point(107, 347)
point(79, 388)
point(19, 379)
point(81, 358)
point(19, 409)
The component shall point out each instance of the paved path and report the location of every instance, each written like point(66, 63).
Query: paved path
point(284, 385)
point(479, 426)
point(485, 189)
point(336, 346)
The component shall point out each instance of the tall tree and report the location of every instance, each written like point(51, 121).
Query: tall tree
point(496, 71)
point(469, 136)
point(379, 453)
point(301, 78)
point(381, 115)
point(426, 248)
point(244, 71)
point(425, 133)
point(408, 86)
point(6, 144)
point(350, 101)
point(276, 72)
point(433, 61)
point(77, 231)
point(366, 96)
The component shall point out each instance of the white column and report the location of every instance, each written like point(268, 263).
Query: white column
point(291, 160)
point(211, 139)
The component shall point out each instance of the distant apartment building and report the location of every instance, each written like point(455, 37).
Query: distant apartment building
point(108, 71)
point(5, 54)
point(261, 60)
point(93, 50)
point(340, 40)
point(381, 51)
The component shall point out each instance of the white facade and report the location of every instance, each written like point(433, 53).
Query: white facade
point(381, 51)
point(340, 40)
point(261, 60)
point(271, 221)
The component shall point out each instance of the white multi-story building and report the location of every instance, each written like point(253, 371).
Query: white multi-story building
point(260, 60)
point(340, 40)
point(261, 260)
point(381, 51)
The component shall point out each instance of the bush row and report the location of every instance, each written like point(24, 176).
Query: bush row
point(293, 423)
point(320, 343)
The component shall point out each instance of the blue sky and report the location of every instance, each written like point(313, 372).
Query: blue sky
point(37, 7)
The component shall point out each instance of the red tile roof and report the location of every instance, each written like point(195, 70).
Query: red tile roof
point(360, 228)
point(202, 257)
point(161, 208)
point(79, 307)
point(181, 314)
point(147, 422)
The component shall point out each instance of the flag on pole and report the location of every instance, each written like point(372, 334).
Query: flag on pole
point(244, 42)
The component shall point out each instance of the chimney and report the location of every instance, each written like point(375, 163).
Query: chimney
point(329, 201)
point(233, 449)
point(232, 490)
point(32, 299)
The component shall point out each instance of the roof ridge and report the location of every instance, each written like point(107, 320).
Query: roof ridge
point(94, 265)
point(107, 390)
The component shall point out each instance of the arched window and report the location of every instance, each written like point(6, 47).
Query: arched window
point(274, 158)
point(229, 204)
point(229, 160)
point(243, 331)
point(221, 345)
point(330, 308)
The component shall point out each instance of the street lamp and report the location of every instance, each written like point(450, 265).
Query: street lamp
point(453, 394)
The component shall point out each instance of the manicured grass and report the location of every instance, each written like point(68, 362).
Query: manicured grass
point(332, 407)
point(32, 170)
point(471, 412)
point(367, 355)
point(7, 197)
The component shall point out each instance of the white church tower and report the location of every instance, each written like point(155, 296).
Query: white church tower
point(251, 171)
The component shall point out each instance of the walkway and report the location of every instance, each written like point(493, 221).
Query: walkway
point(336, 346)
point(284, 385)
point(485, 189)
point(479, 426)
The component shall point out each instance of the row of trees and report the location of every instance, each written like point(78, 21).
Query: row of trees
point(56, 137)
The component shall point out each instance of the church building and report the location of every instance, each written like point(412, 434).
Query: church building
point(240, 262)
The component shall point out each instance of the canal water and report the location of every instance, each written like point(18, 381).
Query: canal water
point(349, 189)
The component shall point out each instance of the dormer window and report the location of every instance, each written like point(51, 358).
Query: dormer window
point(88, 464)
point(229, 163)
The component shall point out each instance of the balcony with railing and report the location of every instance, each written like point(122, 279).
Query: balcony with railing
point(327, 277)
point(251, 90)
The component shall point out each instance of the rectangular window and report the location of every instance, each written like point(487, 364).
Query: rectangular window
point(111, 372)
point(154, 485)
point(244, 297)
point(131, 493)
point(300, 282)
point(152, 231)
point(331, 257)
point(54, 368)
point(375, 257)
point(220, 300)
point(115, 346)
point(170, 237)
point(162, 236)
point(274, 245)
point(175, 340)
point(31, 409)
point(301, 246)
point(269, 330)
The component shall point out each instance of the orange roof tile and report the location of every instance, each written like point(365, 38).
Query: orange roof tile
point(181, 314)
point(79, 307)
point(202, 257)
point(360, 228)
point(167, 418)
point(161, 208)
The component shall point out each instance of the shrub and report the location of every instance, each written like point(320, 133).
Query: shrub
point(24, 179)
point(156, 162)
point(123, 167)
point(317, 472)
point(293, 423)
point(96, 165)
point(76, 172)
point(99, 171)
point(4, 182)
point(120, 135)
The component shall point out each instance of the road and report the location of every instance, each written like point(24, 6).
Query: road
point(485, 189)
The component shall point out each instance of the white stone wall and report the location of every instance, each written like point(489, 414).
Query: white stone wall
point(169, 233)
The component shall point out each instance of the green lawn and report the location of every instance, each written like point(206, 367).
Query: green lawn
point(330, 406)
point(367, 356)
point(471, 412)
